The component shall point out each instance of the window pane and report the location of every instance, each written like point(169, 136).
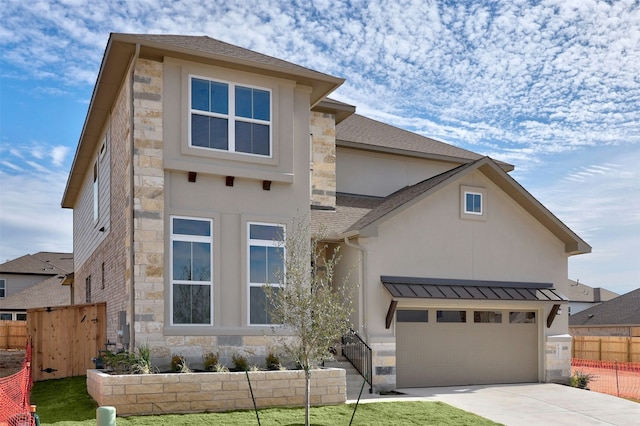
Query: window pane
point(192, 227)
point(244, 102)
point(182, 260)
point(473, 203)
point(243, 137)
point(266, 232)
point(201, 261)
point(487, 316)
point(191, 304)
point(199, 130)
point(258, 312)
point(412, 315)
point(219, 97)
point(275, 265)
point(261, 105)
point(260, 139)
point(6, 317)
point(522, 317)
point(451, 316)
point(218, 133)
point(199, 94)
point(21, 317)
point(257, 264)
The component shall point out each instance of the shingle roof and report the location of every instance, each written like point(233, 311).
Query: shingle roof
point(49, 292)
point(208, 45)
point(622, 310)
point(41, 263)
point(361, 130)
point(349, 209)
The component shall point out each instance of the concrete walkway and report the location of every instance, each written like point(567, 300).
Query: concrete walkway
point(525, 404)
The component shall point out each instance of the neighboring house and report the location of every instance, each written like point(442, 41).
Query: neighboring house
point(583, 297)
point(194, 159)
point(33, 281)
point(616, 317)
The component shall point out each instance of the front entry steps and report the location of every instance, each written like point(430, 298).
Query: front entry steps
point(354, 379)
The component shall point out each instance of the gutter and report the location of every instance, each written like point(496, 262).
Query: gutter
point(363, 280)
point(132, 65)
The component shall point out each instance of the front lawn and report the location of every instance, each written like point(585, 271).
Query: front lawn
point(66, 402)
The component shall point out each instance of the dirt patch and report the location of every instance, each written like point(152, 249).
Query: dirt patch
point(10, 362)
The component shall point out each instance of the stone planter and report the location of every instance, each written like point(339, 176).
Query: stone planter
point(202, 392)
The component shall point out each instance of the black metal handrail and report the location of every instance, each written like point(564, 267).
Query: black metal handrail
point(359, 354)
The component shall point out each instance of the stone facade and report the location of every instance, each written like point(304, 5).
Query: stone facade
point(203, 392)
point(148, 203)
point(323, 162)
point(383, 359)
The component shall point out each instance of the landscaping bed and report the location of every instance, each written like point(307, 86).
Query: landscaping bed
point(136, 394)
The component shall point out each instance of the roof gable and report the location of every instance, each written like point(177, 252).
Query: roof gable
point(41, 263)
point(123, 49)
point(408, 196)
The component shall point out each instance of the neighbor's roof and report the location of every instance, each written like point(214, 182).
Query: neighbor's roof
point(46, 293)
point(41, 263)
point(121, 49)
point(622, 310)
point(361, 132)
point(578, 292)
point(371, 215)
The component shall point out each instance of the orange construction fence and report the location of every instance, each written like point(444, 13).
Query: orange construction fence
point(14, 395)
point(611, 377)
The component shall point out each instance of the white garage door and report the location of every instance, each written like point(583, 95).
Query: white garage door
point(465, 347)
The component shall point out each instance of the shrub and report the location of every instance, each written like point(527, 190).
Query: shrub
point(240, 362)
point(581, 380)
point(272, 361)
point(210, 360)
point(179, 364)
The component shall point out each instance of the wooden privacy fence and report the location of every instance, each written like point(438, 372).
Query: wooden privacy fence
point(13, 334)
point(65, 338)
point(606, 348)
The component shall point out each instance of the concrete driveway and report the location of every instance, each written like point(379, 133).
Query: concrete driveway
point(535, 404)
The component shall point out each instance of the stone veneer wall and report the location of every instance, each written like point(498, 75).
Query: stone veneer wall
point(148, 203)
point(200, 392)
point(384, 366)
point(323, 162)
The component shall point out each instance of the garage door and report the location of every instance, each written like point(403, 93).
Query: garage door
point(445, 348)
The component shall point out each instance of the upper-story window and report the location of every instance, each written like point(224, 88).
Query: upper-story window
point(3, 288)
point(96, 193)
point(230, 117)
point(473, 203)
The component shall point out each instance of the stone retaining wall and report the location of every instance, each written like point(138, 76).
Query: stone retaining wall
point(201, 392)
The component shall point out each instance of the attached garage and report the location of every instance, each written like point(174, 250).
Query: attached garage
point(466, 345)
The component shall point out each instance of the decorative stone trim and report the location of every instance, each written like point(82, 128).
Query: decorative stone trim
point(200, 392)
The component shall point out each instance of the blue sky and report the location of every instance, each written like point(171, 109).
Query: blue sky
point(552, 87)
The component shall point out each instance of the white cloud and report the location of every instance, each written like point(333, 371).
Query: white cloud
point(525, 82)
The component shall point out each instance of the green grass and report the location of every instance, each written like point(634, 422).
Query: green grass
point(65, 402)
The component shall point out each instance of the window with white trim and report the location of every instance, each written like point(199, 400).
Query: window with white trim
point(6, 316)
point(191, 271)
point(96, 193)
point(473, 203)
point(229, 117)
point(3, 288)
point(266, 267)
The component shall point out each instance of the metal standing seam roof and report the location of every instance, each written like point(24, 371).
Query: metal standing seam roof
point(438, 288)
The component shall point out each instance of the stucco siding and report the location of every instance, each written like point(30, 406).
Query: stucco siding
point(430, 239)
point(377, 174)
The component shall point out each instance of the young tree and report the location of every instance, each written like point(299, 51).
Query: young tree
point(308, 303)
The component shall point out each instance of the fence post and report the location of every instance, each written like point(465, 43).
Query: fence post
point(617, 383)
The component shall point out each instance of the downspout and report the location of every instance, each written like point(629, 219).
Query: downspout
point(132, 332)
point(363, 280)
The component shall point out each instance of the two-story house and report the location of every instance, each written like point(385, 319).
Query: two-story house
point(196, 155)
